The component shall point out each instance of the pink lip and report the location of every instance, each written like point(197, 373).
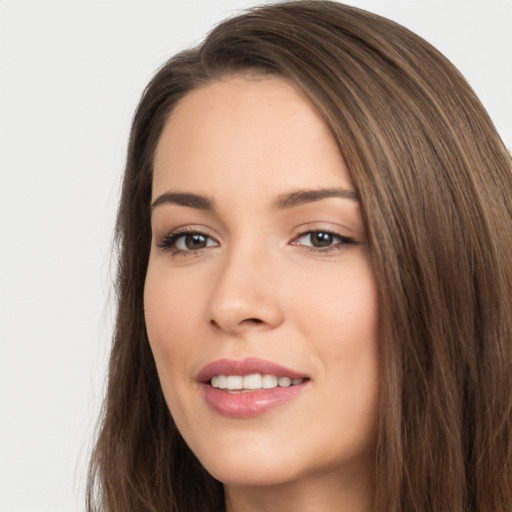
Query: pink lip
point(248, 404)
point(245, 367)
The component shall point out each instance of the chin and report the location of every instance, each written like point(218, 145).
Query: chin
point(266, 464)
point(251, 473)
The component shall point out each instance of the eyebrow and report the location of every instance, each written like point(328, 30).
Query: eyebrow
point(184, 199)
point(283, 201)
point(300, 197)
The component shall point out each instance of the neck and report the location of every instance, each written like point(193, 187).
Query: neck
point(326, 493)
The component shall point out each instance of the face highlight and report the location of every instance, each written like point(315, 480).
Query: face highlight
point(260, 302)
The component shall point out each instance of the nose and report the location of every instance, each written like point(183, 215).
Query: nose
point(245, 295)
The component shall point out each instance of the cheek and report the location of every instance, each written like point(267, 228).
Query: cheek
point(359, 346)
point(342, 309)
point(343, 330)
point(168, 318)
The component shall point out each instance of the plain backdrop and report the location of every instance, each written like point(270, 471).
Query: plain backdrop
point(71, 73)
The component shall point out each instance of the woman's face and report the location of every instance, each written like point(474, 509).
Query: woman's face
point(260, 301)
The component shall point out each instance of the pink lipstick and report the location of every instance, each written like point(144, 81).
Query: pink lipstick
point(248, 387)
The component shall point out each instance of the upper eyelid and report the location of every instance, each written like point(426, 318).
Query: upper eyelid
point(327, 227)
point(188, 229)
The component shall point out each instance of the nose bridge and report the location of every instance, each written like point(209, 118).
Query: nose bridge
point(245, 294)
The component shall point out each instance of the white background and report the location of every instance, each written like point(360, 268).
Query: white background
point(71, 73)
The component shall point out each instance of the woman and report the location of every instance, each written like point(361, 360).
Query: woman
point(315, 279)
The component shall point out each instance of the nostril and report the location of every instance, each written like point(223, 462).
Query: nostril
point(246, 321)
point(254, 320)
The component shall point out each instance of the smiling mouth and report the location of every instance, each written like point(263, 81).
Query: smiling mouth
point(252, 382)
point(245, 388)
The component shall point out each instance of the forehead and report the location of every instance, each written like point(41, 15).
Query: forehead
point(243, 131)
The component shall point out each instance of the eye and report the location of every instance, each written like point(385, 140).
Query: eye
point(187, 242)
point(322, 240)
point(193, 241)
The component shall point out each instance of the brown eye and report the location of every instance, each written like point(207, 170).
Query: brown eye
point(322, 240)
point(193, 241)
point(185, 242)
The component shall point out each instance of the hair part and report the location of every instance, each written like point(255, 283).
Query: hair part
point(435, 185)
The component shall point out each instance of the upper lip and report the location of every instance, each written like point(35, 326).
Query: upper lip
point(246, 367)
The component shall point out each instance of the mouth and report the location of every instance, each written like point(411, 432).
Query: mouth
point(248, 387)
point(252, 382)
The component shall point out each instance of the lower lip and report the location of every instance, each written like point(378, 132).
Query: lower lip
point(248, 404)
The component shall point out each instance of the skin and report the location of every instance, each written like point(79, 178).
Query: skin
point(260, 288)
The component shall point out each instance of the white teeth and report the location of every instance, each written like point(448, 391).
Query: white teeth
point(252, 382)
point(269, 381)
point(284, 382)
point(234, 382)
point(220, 381)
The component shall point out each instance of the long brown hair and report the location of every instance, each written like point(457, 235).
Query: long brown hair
point(435, 183)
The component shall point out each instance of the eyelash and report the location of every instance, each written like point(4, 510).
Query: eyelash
point(168, 243)
point(343, 241)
